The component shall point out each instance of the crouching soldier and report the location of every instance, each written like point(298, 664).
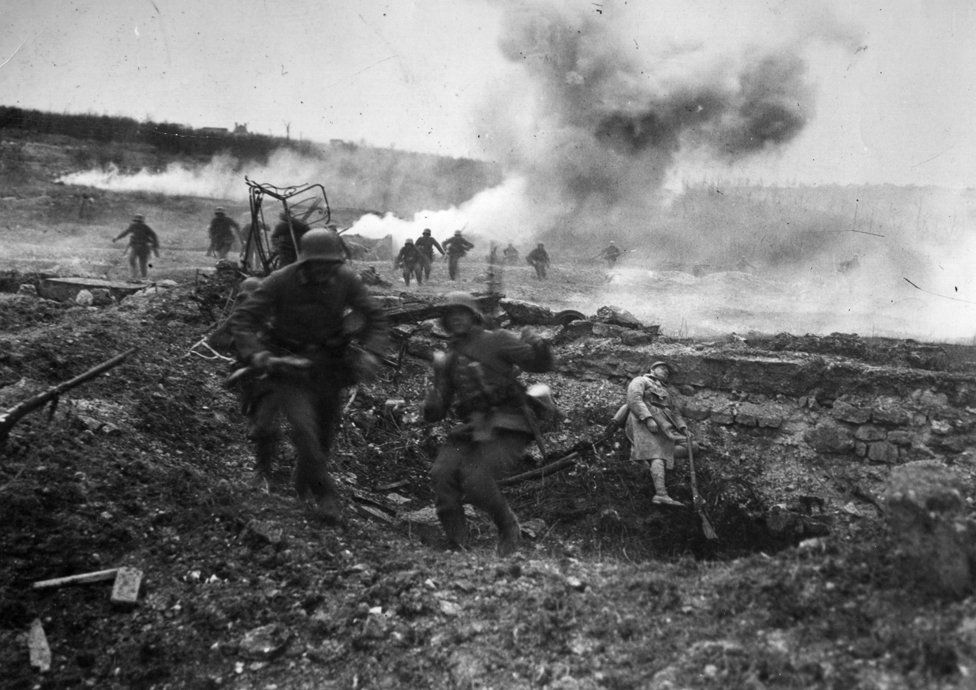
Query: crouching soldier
point(291, 331)
point(478, 376)
point(653, 425)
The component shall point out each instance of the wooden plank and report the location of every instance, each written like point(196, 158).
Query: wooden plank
point(126, 588)
point(80, 579)
point(40, 652)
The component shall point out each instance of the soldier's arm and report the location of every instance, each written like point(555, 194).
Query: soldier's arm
point(528, 351)
point(374, 333)
point(248, 319)
point(122, 234)
point(635, 399)
point(437, 245)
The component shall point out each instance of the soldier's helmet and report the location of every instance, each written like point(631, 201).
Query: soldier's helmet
point(408, 241)
point(321, 245)
point(660, 364)
point(219, 210)
point(457, 233)
point(138, 218)
point(462, 300)
point(426, 232)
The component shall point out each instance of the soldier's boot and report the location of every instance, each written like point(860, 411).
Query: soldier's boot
point(319, 492)
point(661, 496)
point(455, 526)
point(508, 533)
point(264, 452)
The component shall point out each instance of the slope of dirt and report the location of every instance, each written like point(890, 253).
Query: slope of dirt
point(147, 466)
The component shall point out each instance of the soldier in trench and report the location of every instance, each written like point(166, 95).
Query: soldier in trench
point(478, 377)
point(293, 332)
point(653, 426)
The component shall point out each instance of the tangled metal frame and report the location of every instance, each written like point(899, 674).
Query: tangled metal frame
point(308, 203)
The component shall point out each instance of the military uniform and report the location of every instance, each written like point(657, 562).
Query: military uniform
point(426, 245)
point(410, 261)
point(456, 247)
point(538, 258)
point(281, 240)
point(298, 310)
point(222, 232)
point(611, 254)
point(653, 426)
point(142, 241)
point(478, 377)
point(511, 254)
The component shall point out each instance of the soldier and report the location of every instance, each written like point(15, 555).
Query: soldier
point(223, 230)
point(511, 254)
point(410, 261)
point(538, 258)
point(653, 426)
point(478, 375)
point(456, 247)
point(611, 253)
point(292, 331)
point(426, 245)
point(142, 241)
point(284, 237)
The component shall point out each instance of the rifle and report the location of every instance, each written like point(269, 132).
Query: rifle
point(567, 458)
point(9, 418)
point(696, 497)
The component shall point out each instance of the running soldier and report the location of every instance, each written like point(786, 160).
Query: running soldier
point(410, 261)
point(611, 253)
point(478, 375)
point(426, 245)
point(293, 332)
point(223, 231)
point(538, 258)
point(142, 241)
point(456, 247)
point(511, 254)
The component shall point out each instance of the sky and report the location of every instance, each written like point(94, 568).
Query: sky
point(892, 85)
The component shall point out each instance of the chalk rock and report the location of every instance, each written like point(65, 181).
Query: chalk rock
point(829, 437)
point(618, 317)
point(265, 643)
point(84, 298)
point(526, 313)
point(927, 517)
point(28, 289)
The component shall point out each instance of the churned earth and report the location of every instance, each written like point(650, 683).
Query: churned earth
point(147, 466)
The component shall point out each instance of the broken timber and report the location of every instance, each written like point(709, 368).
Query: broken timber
point(80, 579)
point(9, 418)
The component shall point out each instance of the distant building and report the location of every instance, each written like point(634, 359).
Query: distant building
point(240, 128)
point(214, 130)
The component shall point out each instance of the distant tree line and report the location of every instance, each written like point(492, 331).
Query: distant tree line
point(166, 137)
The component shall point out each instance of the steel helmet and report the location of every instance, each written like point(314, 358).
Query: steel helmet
point(457, 233)
point(660, 364)
point(408, 241)
point(463, 300)
point(138, 218)
point(219, 210)
point(321, 245)
point(427, 231)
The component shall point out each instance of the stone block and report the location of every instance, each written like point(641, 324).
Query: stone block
point(829, 437)
point(696, 411)
point(618, 316)
point(900, 437)
point(746, 418)
point(769, 421)
point(846, 412)
point(895, 416)
point(860, 449)
point(869, 432)
point(637, 337)
point(927, 517)
point(882, 451)
point(723, 415)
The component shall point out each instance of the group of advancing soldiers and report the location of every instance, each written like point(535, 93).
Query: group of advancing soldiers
point(415, 258)
point(310, 329)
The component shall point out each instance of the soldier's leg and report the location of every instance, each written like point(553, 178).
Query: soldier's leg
point(479, 475)
point(446, 481)
point(661, 496)
point(452, 266)
point(133, 263)
point(144, 264)
point(260, 406)
point(312, 480)
point(406, 276)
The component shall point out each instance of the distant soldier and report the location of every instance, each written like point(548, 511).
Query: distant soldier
point(611, 253)
point(538, 258)
point(653, 426)
point(426, 245)
point(493, 254)
point(223, 230)
point(456, 247)
point(478, 376)
point(511, 254)
point(142, 241)
point(293, 331)
point(284, 237)
point(410, 261)
point(87, 209)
